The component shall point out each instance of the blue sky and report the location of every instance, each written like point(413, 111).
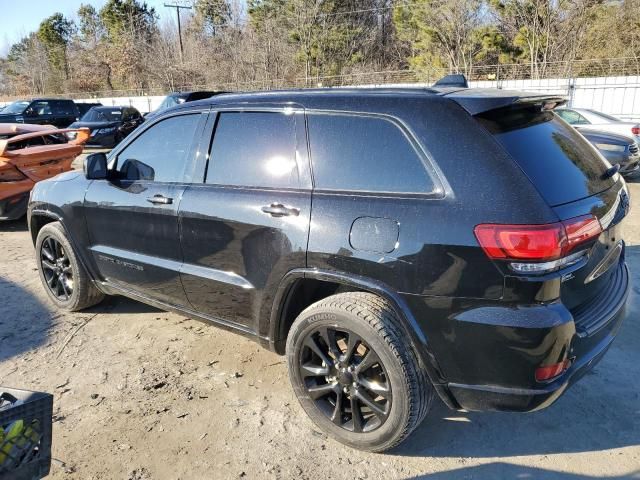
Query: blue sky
point(20, 17)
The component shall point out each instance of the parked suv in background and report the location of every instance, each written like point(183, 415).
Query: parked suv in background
point(393, 243)
point(41, 111)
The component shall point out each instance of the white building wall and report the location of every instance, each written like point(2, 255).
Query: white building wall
point(618, 96)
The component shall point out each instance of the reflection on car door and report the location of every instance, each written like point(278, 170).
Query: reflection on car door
point(247, 225)
point(132, 217)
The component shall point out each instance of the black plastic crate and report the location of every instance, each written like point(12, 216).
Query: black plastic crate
point(25, 441)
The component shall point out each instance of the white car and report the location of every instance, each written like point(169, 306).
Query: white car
point(585, 117)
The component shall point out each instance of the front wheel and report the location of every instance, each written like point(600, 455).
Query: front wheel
point(354, 373)
point(63, 276)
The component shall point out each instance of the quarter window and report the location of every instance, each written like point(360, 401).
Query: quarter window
point(254, 149)
point(363, 153)
point(160, 153)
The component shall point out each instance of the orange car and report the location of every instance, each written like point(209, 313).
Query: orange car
point(28, 154)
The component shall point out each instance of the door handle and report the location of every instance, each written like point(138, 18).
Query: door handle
point(160, 200)
point(279, 210)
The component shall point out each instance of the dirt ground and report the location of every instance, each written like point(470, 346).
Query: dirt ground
point(145, 394)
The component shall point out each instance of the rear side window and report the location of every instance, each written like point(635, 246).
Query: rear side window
point(363, 153)
point(61, 107)
point(560, 162)
point(254, 149)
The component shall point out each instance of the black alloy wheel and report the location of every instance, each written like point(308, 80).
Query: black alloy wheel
point(56, 268)
point(346, 379)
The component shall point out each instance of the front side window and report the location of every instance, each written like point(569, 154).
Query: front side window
point(254, 149)
point(160, 153)
point(40, 108)
point(364, 153)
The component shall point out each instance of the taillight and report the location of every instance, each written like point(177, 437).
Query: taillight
point(11, 174)
point(551, 371)
point(635, 130)
point(547, 243)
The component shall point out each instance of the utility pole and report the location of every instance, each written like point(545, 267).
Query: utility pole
point(178, 6)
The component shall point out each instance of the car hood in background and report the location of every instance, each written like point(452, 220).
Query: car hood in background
point(9, 117)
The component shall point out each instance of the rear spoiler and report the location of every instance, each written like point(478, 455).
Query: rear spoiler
point(479, 100)
point(82, 136)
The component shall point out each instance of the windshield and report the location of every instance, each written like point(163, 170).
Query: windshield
point(604, 116)
point(170, 101)
point(102, 114)
point(16, 107)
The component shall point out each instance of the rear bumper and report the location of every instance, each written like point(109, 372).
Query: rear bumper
point(488, 354)
point(479, 397)
point(596, 327)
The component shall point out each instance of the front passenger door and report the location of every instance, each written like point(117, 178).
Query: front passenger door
point(39, 112)
point(132, 216)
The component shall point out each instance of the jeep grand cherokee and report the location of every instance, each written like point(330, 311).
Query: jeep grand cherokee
point(395, 244)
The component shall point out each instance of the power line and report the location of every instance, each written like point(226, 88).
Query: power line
point(179, 6)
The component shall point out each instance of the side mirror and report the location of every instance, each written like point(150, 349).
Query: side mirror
point(30, 112)
point(95, 166)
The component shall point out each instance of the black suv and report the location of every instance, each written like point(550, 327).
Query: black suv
point(393, 243)
point(42, 111)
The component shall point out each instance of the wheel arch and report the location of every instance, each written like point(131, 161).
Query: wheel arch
point(285, 310)
point(38, 218)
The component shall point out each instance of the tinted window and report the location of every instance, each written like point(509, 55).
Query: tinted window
point(361, 153)
point(559, 161)
point(256, 149)
point(62, 107)
point(160, 153)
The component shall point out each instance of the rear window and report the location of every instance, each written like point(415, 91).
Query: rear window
point(560, 162)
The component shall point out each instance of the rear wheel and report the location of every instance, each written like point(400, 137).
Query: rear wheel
point(63, 276)
point(354, 374)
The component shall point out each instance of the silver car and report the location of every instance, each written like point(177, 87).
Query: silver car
point(587, 118)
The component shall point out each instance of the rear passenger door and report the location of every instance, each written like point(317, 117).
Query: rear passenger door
point(246, 225)
point(40, 113)
point(377, 202)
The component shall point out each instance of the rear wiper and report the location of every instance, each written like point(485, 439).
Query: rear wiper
point(611, 171)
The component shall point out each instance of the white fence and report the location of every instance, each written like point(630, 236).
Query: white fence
point(618, 96)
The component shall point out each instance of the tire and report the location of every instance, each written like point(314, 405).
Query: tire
point(403, 393)
point(74, 290)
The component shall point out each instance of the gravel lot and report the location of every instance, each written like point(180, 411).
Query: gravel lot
point(145, 394)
